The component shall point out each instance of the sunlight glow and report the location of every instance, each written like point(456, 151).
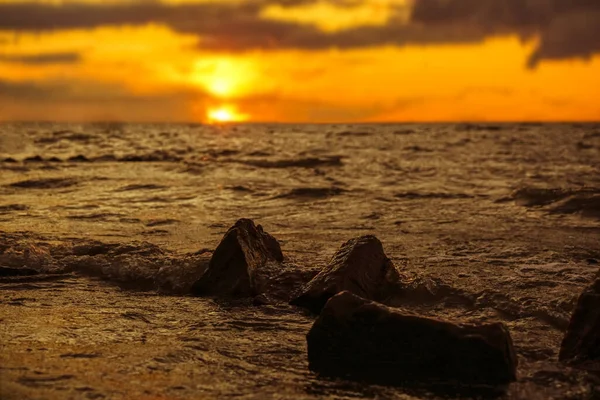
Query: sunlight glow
point(225, 114)
point(225, 77)
point(333, 17)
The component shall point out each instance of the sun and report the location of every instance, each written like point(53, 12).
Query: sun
point(225, 114)
point(220, 115)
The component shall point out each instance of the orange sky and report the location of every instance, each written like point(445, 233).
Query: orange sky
point(294, 61)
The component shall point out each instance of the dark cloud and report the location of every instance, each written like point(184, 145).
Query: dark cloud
point(573, 35)
point(565, 29)
point(39, 59)
point(21, 91)
point(44, 17)
point(83, 92)
point(201, 16)
point(88, 101)
point(221, 26)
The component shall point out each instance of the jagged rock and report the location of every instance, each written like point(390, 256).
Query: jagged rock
point(360, 266)
point(582, 339)
point(359, 339)
point(236, 265)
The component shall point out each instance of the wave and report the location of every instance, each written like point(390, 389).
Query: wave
point(592, 135)
point(48, 183)
point(311, 193)
point(33, 159)
point(141, 187)
point(78, 158)
point(95, 217)
point(404, 132)
point(584, 201)
point(587, 205)
point(167, 156)
point(65, 135)
point(146, 266)
point(418, 149)
point(424, 290)
point(136, 265)
point(5, 209)
point(161, 222)
point(478, 127)
point(416, 195)
point(308, 162)
point(155, 156)
point(355, 133)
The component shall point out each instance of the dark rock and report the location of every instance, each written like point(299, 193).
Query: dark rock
point(360, 266)
point(239, 266)
point(359, 339)
point(582, 339)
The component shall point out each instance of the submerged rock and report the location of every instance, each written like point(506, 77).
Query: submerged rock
point(360, 266)
point(360, 339)
point(582, 339)
point(236, 265)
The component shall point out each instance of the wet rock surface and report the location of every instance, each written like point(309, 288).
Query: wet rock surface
point(240, 266)
point(360, 266)
point(581, 344)
point(361, 339)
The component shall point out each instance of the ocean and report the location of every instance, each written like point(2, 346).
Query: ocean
point(506, 215)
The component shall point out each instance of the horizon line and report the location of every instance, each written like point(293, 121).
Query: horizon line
point(232, 123)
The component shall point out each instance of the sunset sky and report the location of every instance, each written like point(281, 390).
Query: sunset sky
point(300, 60)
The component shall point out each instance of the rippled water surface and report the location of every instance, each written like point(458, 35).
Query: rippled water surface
point(506, 215)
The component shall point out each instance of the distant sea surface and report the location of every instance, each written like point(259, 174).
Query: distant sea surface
point(508, 213)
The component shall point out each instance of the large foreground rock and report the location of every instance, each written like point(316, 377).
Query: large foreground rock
point(236, 265)
point(582, 340)
point(360, 266)
point(360, 339)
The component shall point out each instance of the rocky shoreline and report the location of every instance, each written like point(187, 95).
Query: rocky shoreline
point(367, 329)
